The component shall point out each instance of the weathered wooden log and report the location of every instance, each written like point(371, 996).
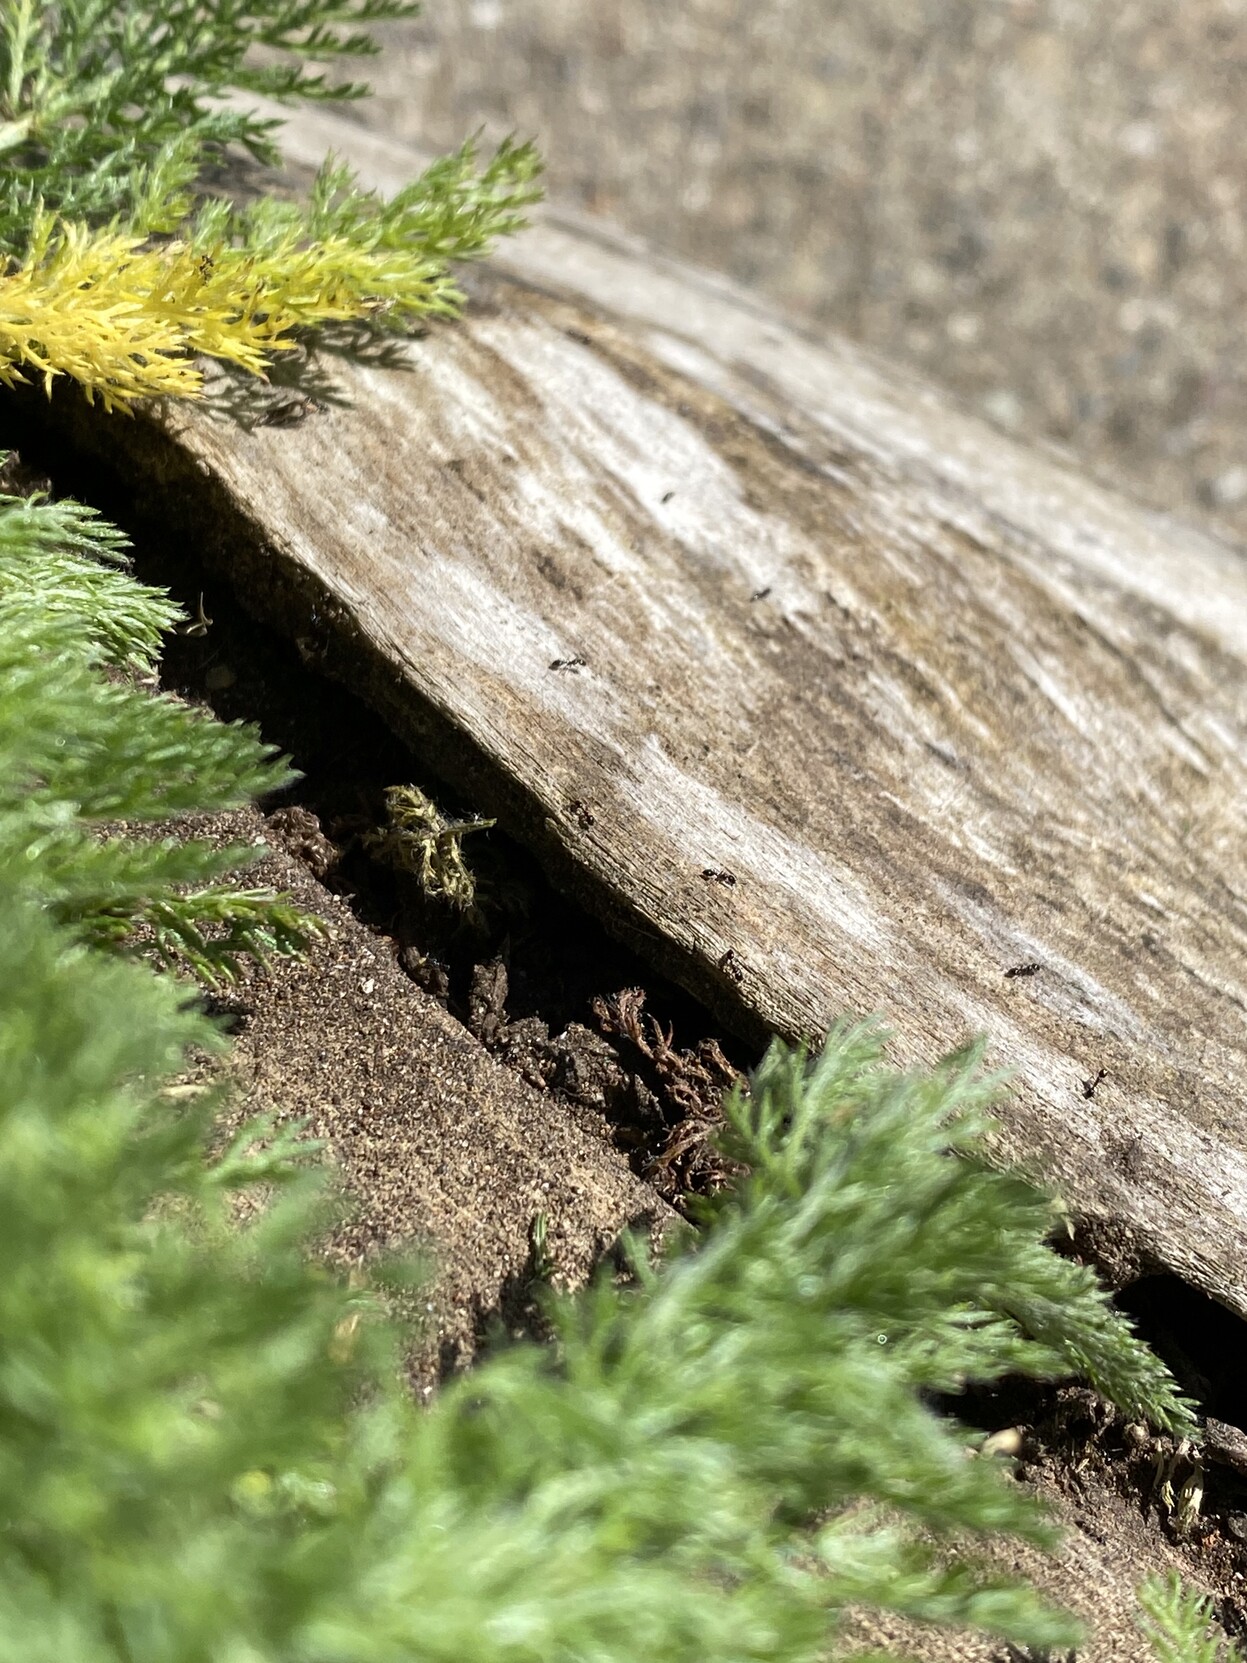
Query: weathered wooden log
point(824, 694)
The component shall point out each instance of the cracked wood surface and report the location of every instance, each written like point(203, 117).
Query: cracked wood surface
point(689, 596)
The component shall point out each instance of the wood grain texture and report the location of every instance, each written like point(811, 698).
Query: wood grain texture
point(685, 591)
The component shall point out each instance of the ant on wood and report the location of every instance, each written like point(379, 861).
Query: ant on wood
point(289, 413)
point(712, 874)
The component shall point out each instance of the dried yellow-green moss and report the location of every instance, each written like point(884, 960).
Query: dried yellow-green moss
point(418, 838)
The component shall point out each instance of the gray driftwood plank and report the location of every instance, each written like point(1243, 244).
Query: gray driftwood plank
point(827, 696)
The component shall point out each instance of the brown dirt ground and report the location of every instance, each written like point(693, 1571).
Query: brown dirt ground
point(468, 1078)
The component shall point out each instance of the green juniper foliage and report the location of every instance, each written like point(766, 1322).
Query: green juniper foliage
point(452, 211)
point(110, 111)
point(190, 1466)
point(120, 258)
point(945, 1262)
point(1176, 1621)
point(205, 1450)
point(79, 751)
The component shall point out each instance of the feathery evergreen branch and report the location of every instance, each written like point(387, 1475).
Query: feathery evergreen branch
point(1175, 1620)
point(78, 752)
point(123, 318)
point(206, 1451)
point(107, 119)
point(60, 561)
point(207, 931)
point(960, 1283)
point(111, 112)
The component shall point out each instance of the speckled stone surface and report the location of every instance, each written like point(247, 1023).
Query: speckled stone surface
point(1041, 204)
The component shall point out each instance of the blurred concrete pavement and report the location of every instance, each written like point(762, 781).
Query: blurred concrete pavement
point(1041, 204)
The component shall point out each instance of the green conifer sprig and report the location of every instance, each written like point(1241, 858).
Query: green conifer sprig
point(111, 111)
point(159, 1374)
point(770, 1369)
point(1177, 1623)
point(453, 211)
point(62, 562)
point(960, 1283)
point(79, 752)
point(209, 932)
point(108, 749)
point(204, 1450)
point(118, 262)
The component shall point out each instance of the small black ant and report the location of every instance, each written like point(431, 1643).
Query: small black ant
point(1023, 970)
point(289, 413)
point(585, 817)
point(729, 964)
point(567, 663)
point(760, 594)
point(712, 874)
point(1088, 1086)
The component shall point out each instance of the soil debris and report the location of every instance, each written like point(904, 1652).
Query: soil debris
point(689, 1086)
